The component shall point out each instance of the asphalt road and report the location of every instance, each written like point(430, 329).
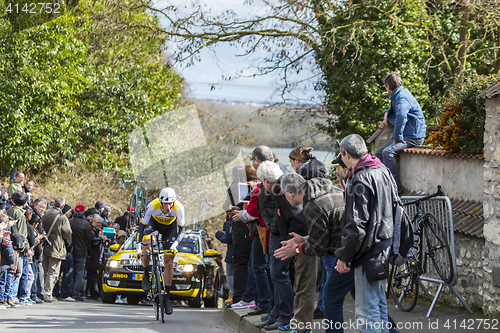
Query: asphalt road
point(96, 316)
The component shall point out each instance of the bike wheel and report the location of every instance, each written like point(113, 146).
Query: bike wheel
point(403, 285)
point(131, 217)
point(159, 292)
point(438, 249)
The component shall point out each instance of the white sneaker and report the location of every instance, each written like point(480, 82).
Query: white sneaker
point(68, 299)
point(120, 301)
point(243, 305)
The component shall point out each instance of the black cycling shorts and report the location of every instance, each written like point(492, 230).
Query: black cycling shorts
point(168, 236)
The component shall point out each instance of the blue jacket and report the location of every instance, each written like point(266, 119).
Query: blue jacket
point(406, 115)
point(226, 237)
point(7, 254)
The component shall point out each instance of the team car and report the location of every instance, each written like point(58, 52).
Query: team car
point(196, 273)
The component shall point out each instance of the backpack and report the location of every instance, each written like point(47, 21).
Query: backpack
point(402, 239)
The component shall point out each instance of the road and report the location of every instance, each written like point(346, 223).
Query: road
point(92, 316)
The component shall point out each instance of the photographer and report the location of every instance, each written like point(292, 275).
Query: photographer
point(58, 229)
point(82, 235)
point(94, 257)
point(35, 240)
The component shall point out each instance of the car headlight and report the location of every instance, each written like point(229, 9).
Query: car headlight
point(114, 263)
point(186, 268)
point(113, 283)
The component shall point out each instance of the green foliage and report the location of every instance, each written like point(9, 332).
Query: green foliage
point(462, 119)
point(72, 88)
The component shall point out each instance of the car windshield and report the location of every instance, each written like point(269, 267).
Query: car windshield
point(189, 244)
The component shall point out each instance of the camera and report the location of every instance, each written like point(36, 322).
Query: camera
point(45, 240)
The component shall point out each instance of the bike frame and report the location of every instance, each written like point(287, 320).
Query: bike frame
point(140, 188)
point(418, 223)
point(157, 298)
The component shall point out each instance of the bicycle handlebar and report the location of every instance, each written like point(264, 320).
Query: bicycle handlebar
point(439, 193)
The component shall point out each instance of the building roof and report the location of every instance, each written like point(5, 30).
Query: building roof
point(490, 92)
point(426, 151)
point(467, 215)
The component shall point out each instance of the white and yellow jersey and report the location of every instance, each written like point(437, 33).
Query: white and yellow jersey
point(153, 210)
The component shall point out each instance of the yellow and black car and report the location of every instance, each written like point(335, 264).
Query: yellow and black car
point(196, 275)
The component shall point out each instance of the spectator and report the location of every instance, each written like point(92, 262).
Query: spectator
point(323, 208)
point(89, 215)
point(123, 220)
point(305, 164)
point(105, 216)
point(288, 220)
point(64, 291)
point(7, 259)
point(14, 271)
point(17, 184)
point(368, 229)
point(121, 237)
point(242, 244)
point(58, 230)
point(232, 199)
point(99, 206)
point(82, 235)
point(226, 237)
point(409, 124)
point(5, 196)
point(3, 203)
point(35, 240)
point(259, 265)
point(266, 208)
point(67, 211)
point(94, 257)
point(17, 213)
point(309, 167)
point(39, 207)
point(27, 187)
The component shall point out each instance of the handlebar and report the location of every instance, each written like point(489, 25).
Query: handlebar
point(439, 193)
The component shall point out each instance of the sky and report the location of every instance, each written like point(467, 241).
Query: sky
point(205, 78)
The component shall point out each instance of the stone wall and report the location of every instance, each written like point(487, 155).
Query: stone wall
point(491, 202)
point(461, 178)
point(470, 273)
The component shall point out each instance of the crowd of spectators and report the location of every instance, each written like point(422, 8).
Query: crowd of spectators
point(296, 226)
point(49, 249)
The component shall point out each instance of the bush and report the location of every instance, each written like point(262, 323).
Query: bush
point(461, 124)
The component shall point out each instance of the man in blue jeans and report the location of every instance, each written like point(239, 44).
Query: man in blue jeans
point(409, 124)
point(368, 229)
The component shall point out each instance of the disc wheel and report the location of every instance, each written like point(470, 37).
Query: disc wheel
point(197, 301)
point(214, 301)
point(438, 249)
point(403, 285)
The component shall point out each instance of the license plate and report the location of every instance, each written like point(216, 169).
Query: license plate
point(137, 277)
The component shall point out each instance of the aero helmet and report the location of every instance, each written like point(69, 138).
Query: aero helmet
point(167, 195)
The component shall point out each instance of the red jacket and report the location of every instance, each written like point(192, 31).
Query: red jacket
point(252, 210)
point(252, 206)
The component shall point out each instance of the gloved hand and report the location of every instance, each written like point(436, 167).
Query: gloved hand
point(138, 250)
point(173, 248)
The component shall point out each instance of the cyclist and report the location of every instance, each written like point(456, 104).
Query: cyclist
point(166, 215)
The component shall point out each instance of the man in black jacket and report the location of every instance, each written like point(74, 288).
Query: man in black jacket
point(287, 219)
point(368, 230)
point(82, 235)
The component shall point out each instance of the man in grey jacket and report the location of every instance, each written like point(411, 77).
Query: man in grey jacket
point(58, 228)
point(323, 206)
